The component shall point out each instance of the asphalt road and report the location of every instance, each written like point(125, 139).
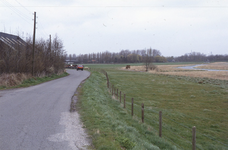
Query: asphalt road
point(38, 117)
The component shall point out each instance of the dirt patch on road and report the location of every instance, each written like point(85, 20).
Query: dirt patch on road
point(74, 133)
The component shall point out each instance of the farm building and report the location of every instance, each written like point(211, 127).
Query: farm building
point(12, 41)
point(11, 51)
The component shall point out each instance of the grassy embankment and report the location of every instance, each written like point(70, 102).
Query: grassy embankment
point(21, 80)
point(110, 126)
point(183, 101)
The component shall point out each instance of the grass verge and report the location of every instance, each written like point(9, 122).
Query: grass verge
point(109, 125)
point(34, 81)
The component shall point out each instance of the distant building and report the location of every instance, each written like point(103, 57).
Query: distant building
point(12, 41)
point(71, 61)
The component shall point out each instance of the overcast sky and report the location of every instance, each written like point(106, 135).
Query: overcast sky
point(175, 27)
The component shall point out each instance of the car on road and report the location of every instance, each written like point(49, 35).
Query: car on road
point(80, 67)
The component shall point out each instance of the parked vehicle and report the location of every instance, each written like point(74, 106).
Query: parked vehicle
point(80, 67)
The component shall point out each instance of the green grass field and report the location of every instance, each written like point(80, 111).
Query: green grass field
point(184, 103)
point(109, 125)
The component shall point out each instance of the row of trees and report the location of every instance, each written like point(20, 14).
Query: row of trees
point(198, 57)
point(49, 57)
point(140, 56)
point(124, 56)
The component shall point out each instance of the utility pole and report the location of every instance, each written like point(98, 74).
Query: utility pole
point(50, 59)
point(50, 41)
point(33, 47)
point(50, 45)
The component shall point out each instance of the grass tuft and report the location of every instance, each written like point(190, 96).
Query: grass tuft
point(125, 142)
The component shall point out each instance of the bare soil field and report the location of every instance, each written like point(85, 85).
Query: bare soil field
point(174, 70)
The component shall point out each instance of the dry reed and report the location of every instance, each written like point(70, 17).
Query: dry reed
point(13, 79)
point(173, 70)
point(217, 66)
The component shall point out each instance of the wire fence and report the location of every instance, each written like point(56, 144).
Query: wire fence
point(158, 123)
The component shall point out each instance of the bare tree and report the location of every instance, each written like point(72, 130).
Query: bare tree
point(148, 59)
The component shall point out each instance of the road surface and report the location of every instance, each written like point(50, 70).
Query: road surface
point(38, 117)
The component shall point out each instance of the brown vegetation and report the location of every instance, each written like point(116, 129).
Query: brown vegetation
point(216, 65)
point(173, 70)
point(13, 79)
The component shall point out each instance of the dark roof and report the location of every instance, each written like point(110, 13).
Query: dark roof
point(11, 40)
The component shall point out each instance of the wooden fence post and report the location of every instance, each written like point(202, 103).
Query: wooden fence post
point(160, 123)
point(120, 96)
point(117, 93)
point(194, 138)
point(142, 113)
point(107, 80)
point(124, 101)
point(112, 90)
point(132, 106)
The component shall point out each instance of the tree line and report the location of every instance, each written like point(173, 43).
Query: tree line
point(49, 57)
point(197, 57)
point(124, 56)
point(141, 56)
